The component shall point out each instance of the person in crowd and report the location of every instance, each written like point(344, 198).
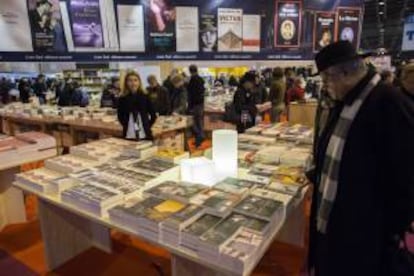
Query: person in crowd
point(159, 96)
point(110, 94)
point(65, 94)
point(196, 90)
point(233, 81)
point(407, 79)
point(260, 88)
point(135, 111)
point(363, 201)
point(80, 96)
point(178, 96)
point(24, 90)
point(168, 83)
point(290, 77)
point(297, 92)
point(277, 93)
point(40, 88)
point(387, 77)
point(245, 102)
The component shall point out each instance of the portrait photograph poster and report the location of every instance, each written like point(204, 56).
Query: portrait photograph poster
point(349, 25)
point(208, 32)
point(288, 24)
point(324, 30)
point(161, 20)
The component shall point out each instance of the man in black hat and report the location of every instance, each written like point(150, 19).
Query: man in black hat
point(363, 202)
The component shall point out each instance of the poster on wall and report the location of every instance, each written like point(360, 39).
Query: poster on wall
point(86, 23)
point(187, 29)
point(230, 33)
point(288, 24)
point(208, 33)
point(46, 25)
point(251, 33)
point(131, 28)
point(323, 30)
point(322, 5)
point(349, 25)
point(408, 34)
point(14, 26)
point(161, 15)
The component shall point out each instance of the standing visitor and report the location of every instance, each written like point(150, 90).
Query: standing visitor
point(159, 96)
point(135, 111)
point(277, 93)
point(297, 92)
point(40, 88)
point(196, 91)
point(363, 201)
point(111, 94)
point(178, 96)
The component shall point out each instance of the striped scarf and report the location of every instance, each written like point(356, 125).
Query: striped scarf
point(332, 163)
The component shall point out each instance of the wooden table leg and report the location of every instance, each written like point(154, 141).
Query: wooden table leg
point(66, 234)
point(184, 267)
point(12, 208)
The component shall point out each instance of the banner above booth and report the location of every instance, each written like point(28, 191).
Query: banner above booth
point(130, 30)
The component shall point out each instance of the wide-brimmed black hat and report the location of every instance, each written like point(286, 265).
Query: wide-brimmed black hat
point(336, 53)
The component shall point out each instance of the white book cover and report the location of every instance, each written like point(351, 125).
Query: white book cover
point(15, 26)
point(230, 30)
point(112, 28)
point(187, 29)
point(251, 33)
point(131, 28)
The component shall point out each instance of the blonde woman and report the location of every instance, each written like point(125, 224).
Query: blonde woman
point(135, 111)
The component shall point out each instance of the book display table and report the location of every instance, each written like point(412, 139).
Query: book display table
point(220, 230)
point(14, 152)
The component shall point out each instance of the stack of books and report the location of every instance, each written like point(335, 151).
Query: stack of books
point(271, 154)
point(145, 216)
point(239, 252)
point(180, 191)
point(190, 236)
point(39, 179)
point(297, 157)
point(216, 202)
point(236, 186)
point(156, 167)
point(172, 156)
point(91, 198)
point(212, 242)
point(69, 164)
point(170, 229)
point(297, 133)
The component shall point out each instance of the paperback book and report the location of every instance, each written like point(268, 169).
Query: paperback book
point(216, 202)
point(184, 192)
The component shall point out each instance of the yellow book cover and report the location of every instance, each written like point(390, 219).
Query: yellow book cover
point(169, 206)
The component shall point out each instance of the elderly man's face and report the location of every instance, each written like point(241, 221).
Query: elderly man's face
point(334, 82)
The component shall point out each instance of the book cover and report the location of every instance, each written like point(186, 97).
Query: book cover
point(47, 26)
point(187, 29)
point(288, 24)
point(230, 34)
point(161, 21)
point(349, 25)
point(216, 201)
point(208, 32)
point(201, 225)
point(15, 27)
point(323, 30)
point(179, 191)
point(251, 33)
point(86, 23)
point(131, 28)
point(257, 206)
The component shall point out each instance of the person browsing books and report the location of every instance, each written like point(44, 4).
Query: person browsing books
point(135, 111)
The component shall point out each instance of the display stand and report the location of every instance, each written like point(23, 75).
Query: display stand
point(302, 113)
point(68, 231)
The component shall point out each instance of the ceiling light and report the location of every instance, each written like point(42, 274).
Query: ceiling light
point(381, 13)
point(381, 3)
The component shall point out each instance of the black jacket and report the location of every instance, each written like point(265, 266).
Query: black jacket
point(137, 103)
point(160, 98)
point(108, 99)
point(375, 197)
point(196, 91)
point(179, 100)
point(245, 101)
